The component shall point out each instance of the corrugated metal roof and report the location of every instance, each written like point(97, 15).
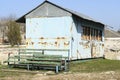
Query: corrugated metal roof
point(22, 19)
point(111, 34)
point(81, 15)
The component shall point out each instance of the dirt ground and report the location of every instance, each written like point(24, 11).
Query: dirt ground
point(111, 75)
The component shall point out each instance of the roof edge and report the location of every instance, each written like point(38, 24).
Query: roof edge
point(22, 19)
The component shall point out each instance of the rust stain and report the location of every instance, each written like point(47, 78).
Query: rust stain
point(32, 43)
point(57, 44)
point(26, 43)
point(78, 54)
point(58, 37)
point(43, 43)
point(54, 42)
point(93, 54)
point(86, 45)
point(62, 37)
point(66, 43)
point(102, 45)
point(80, 43)
point(42, 38)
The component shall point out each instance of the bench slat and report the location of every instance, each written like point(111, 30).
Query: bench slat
point(30, 52)
point(40, 62)
point(44, 59)
point(49, 56)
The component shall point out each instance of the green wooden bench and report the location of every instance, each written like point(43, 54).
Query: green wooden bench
point(36, 59)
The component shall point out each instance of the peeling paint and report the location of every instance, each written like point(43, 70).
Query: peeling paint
point(61, 33)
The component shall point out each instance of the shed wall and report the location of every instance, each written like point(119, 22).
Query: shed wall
point(62, 33)
point(49, 33)
point(81, 48)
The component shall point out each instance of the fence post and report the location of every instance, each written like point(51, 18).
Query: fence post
point(8, 58)
point(68, 59)
point(19, 55)
point(57, 69)
point(43, 51)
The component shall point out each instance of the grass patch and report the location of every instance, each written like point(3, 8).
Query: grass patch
point(96, 65)
point(6, 74)
point(3, 67)
point(12, 73)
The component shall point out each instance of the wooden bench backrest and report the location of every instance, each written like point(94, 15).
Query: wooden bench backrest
point(38, 55)
point(30, 51)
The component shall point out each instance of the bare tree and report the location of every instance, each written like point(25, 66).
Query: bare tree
point(3, 27)
point(13, 32)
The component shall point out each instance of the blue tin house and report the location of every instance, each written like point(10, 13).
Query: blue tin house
point(50, 26)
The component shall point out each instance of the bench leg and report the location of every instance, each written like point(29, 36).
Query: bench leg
point(28, 67)
point(32, 67)
point(9, 66)
point(65, 65)
point(56, 69)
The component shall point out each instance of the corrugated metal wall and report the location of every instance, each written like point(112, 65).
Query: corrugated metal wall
point(81, 48)
point(48, 33)
point(61, 33)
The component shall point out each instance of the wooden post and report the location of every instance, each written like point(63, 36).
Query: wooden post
point(43, 52)
point(57, 69)
point(68, 59)
point(65, 65)
point(28, 67)
point(8, 58)
point(19, 55)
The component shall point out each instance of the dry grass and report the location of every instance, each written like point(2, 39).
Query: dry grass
point(110, 75)
point(89, 70)
point(95, 65)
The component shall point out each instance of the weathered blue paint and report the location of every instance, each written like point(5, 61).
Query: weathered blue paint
point(82, 49)
point(52, 27)
point(61, 33)
point(49, 33)
point(48, 27)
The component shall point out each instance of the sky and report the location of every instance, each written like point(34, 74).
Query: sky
point(105, 11)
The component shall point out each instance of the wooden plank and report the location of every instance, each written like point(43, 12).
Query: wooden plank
point(40, 62)
point(20, 56)
point(30, 52)
point(48, 56)
point(43, 49)
point(45, 59)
